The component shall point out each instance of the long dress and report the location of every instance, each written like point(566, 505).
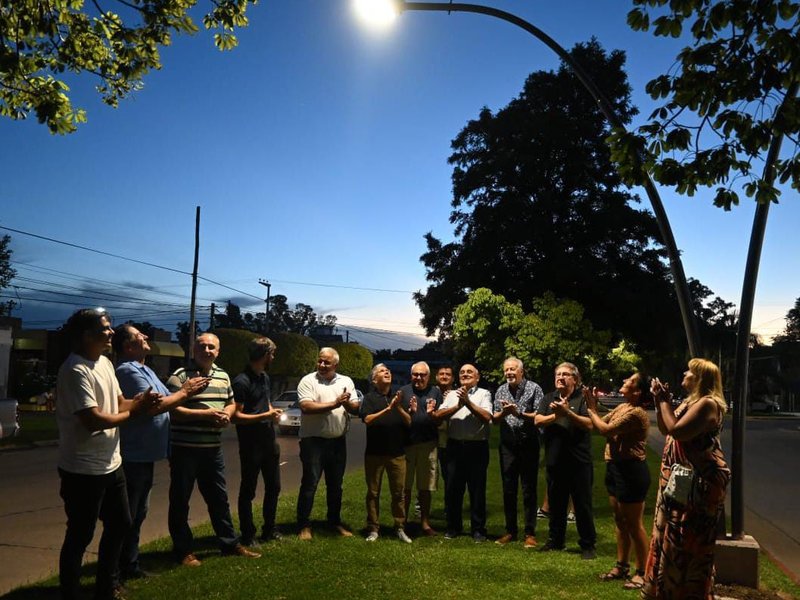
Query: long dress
point(680, 564)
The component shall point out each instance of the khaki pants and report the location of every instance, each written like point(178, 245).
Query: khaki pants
point(395, 467)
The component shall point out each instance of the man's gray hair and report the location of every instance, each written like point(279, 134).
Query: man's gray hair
point(332, 352)
point(516, 360)
point(421, 363)
point(375, 370)
point(575, 372)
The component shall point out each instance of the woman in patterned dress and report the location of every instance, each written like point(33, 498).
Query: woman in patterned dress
point(627, 476)
point(680, 565)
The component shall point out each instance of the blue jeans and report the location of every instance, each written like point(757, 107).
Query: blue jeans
point(207, 467)
point(258, 456)
point(321, 455)
point(139, 482)
point(86, 499)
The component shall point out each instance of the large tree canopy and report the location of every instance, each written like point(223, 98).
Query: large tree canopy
point(7, 273)
point(539, 207)
point(791, 332)
point(116, 41)
point(730, 95)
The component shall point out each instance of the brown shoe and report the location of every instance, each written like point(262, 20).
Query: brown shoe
point(239, 550)
point(343, 531)
point(502, 541)
point(305, 534)
point(429, 532)
point(530, 541)
point(190, 560)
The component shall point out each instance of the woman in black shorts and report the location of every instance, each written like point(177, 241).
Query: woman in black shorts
point(627, 475)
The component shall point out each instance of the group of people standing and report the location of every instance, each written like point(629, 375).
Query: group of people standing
point(114, 425)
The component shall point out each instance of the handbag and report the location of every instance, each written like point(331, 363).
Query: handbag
point(679, 485)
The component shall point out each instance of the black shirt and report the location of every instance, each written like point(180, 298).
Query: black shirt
point(568, 442)
point(253, 392)
point(423, 428)
point(385, 435)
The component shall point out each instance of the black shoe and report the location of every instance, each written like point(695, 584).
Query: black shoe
point(247, 542)
point(273, 536)
point(133, 574)
point(451, 535)
point(588, 553)
point(478, 537)
point(549, 545)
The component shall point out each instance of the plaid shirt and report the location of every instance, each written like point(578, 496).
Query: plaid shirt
point(527, 398)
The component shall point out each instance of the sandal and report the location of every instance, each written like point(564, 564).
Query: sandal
point(632, 584)
point(618, 571)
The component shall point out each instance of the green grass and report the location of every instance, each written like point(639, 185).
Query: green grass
point(333, 567)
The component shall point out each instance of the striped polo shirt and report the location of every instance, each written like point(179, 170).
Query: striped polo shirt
point(218, 395)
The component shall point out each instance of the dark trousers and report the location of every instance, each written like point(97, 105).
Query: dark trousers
point(570, 478)
point(519, 463)
point(88, 498)
point(207, 467)
point(467, 462)
point(259, 456)
point(321, 455)
point(138, 482)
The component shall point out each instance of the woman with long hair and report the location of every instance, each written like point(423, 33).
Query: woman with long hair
point(680, 563)
point(627, 476)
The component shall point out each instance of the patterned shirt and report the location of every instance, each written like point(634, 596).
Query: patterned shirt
point(527, 397)
point(630, 440)
point(218, 395)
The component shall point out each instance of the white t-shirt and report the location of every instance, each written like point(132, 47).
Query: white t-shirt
point(331, 424)
point(84, 384)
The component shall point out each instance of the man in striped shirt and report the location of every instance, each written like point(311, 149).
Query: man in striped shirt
point(196, 446)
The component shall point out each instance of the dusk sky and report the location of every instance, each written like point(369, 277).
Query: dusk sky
point(317, 151)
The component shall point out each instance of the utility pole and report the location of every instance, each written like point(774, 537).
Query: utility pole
point(267, 285)
point(213, 310)
point(192, 325)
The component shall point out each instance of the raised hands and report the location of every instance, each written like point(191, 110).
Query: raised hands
point(591, 397)
point(195, 385)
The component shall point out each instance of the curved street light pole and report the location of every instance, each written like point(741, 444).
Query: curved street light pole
point(675, 264)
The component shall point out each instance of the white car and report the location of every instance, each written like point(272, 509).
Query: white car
point(285, 400)
point(9, 417)
point(289, 422)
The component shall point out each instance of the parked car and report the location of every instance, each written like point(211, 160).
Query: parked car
point(289, 422)
point(285, 400)
point(9, 417)
point(765, 404)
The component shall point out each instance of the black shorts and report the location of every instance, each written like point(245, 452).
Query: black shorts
point(628, 480)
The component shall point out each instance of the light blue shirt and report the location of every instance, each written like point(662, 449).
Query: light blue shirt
point(143, 438)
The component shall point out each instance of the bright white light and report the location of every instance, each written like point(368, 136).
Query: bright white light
point(380, 13)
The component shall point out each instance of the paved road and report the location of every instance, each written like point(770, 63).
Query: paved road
point(772, 487)
point(32, 515)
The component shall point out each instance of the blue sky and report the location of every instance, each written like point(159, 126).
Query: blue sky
point(317, 151)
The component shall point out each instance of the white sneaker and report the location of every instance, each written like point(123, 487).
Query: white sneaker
point(403, 536)
point(372, 537)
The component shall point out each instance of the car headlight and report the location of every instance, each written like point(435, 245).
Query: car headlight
point(284, 418)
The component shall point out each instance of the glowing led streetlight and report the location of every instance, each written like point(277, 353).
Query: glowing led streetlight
point(380, 13)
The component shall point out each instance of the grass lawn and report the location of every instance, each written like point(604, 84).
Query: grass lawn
point(350, 568)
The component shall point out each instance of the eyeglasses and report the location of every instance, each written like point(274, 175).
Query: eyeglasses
point(419, 374)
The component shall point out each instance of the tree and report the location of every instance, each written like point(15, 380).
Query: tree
point(7, 273)
point(182, 331)
point(354, 360)
point(729, 97)
point(233, 355)
point(792, 331)
point(116, 41)
point(488, 328)
point(296, 355)
point(539, 207)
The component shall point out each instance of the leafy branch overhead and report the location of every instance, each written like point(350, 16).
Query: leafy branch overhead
point(731, 94)
point(117, 41)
